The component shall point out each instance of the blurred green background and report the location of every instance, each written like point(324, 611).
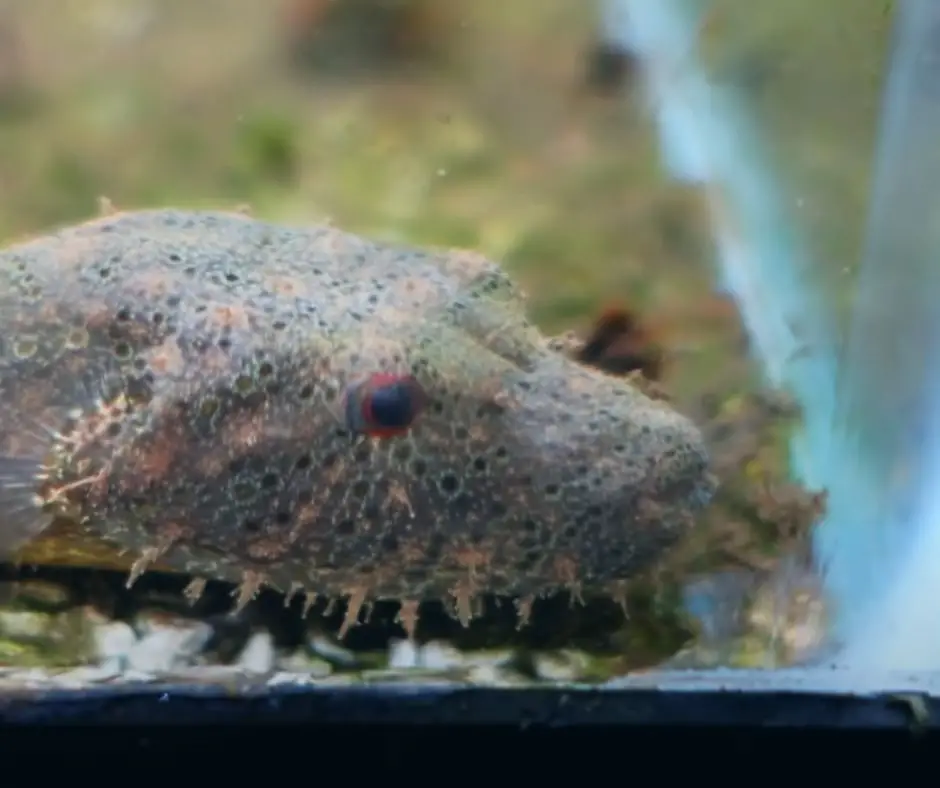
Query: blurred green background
point(452, 122)
point(468, 123)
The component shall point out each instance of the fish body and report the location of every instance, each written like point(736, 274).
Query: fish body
point(178, 385)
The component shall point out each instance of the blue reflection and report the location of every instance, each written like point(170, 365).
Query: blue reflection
point(877, 451)
point(707, 139)
point(882, 538)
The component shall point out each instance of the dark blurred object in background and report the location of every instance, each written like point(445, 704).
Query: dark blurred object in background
point(620, 343)
point(611, 67)
point(361, 35)
point(15, 95)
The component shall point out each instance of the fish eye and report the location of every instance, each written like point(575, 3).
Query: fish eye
point(384, 404)
point(391, 405)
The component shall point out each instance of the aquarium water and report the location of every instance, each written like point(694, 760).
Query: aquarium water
point(869, 395)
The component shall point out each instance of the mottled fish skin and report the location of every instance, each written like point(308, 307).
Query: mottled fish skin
point(174, 382)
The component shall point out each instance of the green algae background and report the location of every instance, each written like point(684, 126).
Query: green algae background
point(492, 141)
point(483, 134)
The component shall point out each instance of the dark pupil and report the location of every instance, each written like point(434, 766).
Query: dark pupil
point(391, 406)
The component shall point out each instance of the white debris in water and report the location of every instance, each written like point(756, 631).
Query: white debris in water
point(565, 665)
point(258, 655)
point(300, 663)
point(167, 643)
point(113, 641)
point(406, 654)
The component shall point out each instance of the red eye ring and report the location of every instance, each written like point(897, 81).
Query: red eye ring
point(384, 404)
